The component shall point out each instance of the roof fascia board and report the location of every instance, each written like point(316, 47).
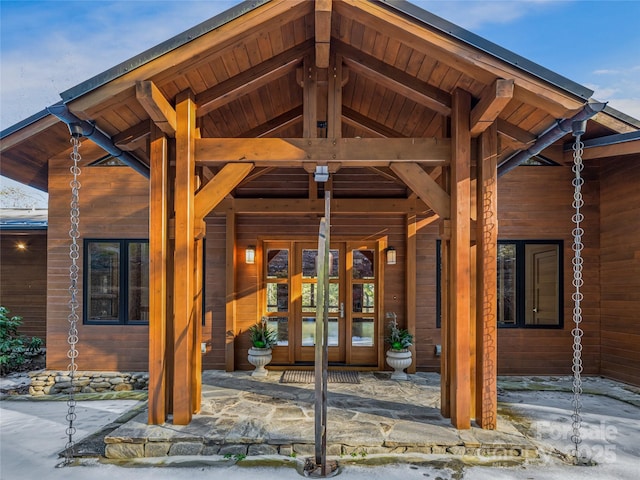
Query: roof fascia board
point(486, 46)
point(161, 49)
point(608, 140)
point(36, 117)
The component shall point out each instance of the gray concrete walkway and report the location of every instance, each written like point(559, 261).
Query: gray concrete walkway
point(242, 415)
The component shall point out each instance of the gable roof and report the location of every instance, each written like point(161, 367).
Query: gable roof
point(401, 65)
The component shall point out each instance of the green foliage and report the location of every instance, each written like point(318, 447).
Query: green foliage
point(14, 347)
point(261, 336)
point(398, 338)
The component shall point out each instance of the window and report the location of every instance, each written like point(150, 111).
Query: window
point(530, 293)
point(116, 282)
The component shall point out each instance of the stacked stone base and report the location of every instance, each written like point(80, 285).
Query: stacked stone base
point(118, 449)
point(50, 382)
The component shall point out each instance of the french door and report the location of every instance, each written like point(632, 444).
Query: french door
point(290, 301)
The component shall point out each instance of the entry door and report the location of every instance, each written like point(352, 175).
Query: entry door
point(306, 289)
point(541, 302)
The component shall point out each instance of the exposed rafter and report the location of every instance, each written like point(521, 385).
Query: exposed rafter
point(359, 120)
point(273, 126)
point(157, 106)
point(323, 32)
point(491, 104)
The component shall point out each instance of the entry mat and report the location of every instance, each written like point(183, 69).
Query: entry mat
point(308, 376)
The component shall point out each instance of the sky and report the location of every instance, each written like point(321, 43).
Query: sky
point(49, 46)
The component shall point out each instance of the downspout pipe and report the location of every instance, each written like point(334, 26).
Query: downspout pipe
point(550, 136)
point(82, 128)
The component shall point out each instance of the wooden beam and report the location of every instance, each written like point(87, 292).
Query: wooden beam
point(445, 318)
point(196, 353)
point(219, 187)
point(372, 206)
point(395, 79)
point(131, 138)
point(273, 126)
point(250, 80)
point(521, 138)
point(184, 256)
point(158, 218)
point(230, 291)
point(424, 186)
point(604, 151)
point(323, 32)
point(309, 99)
point(487, 289)
point(334, 99)
point(361, 121)
point(491, 105)
point(157, 106)
point(294, 152)
point(460, 261)
point(411, 281)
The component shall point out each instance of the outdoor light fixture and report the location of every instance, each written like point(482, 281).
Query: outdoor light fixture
point(391, 256)
point(250, 255)
point(321, 174)
point(21, 246)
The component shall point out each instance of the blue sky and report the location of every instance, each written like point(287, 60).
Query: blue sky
point(49, 46)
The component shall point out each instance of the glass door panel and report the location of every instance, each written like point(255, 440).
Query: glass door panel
point(363, 306)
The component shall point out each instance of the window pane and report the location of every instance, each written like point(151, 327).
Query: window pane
point(542, 284)
point(104, 281)
point(277, 297)
point(363, 267)
point(310, 297)
point(507, 283)
point(309, 263)
point(362, 332)
point(309, 332)
point(277, 263)
point(281, 326)
point(364, 298)
point(138, 270)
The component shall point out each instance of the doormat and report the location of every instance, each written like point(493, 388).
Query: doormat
point(308, 376)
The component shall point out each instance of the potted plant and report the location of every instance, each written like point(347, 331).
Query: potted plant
point(262, 340)
point(398, 356)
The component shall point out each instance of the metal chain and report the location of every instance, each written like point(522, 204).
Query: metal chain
point(74, 254)
point(577, 295)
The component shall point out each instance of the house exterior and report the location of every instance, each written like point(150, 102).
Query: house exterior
point(440, 148)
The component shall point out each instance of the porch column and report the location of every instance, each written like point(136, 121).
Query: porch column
point(158, 232)
point(184, 258)
point(460, 281)
point(486, 310)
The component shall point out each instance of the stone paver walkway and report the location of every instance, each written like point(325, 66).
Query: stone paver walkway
point(242, 415)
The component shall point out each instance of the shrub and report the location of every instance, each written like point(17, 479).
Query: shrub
point(13, 346)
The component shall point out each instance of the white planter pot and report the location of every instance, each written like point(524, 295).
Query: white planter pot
point(259, 357)
point(399, 360)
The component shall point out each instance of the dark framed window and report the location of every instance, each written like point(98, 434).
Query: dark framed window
point(116, 282)
point(530, 284)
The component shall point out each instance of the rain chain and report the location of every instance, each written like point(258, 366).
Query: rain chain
point(577, 295)
point(74, 254)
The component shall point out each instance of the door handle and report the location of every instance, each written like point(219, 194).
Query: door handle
point(341, 309)
point(535, 310)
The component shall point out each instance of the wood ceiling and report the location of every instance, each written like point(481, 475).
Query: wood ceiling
point(396, 79)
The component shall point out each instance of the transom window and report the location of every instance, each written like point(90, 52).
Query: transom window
point(116, 281)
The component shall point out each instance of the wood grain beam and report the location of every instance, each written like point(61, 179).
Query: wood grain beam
point(276, 124)
point(323, 32)
point(394, 79)
point(491, 105)
point(361, 121)
point(250, 80)
point(310, 99)
point(294, 152)
point(517, 135)
point(219, 187)
point(460, 321)
point(604, 151)
point(424, 186)
point(131, 138)
point(157, 106)
point(184, 258)
point(278, 206)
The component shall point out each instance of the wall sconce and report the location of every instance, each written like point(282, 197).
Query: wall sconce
point(250, 255)
point(21, 246)
point(391, 256)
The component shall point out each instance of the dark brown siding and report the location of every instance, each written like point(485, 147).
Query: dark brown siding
point(113, 204)
point(23, 276)
point(620, 270)
point(534, 203)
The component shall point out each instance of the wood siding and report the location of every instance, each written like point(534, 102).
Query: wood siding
point(23, 276)
point(114, 203)
point(620, 270)
point(534, 203)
